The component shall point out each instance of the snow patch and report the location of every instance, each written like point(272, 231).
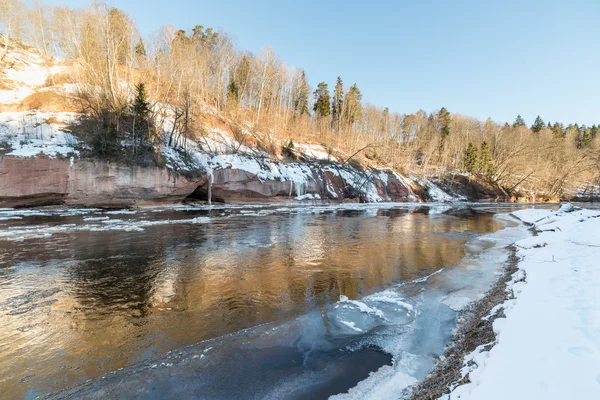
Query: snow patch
point(351, 325)
point(548, 345)
point(28, 134)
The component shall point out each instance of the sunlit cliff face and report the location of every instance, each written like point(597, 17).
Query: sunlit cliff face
point(77, 305)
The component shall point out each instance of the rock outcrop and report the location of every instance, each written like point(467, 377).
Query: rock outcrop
point(231, 185)
point(40, 180)
point(36, 181)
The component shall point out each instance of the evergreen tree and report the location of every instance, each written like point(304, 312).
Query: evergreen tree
point(471, 159)
point(140, 50)
point(141, 111)
point(322, 106)
point(198, 31)
point(557, 129)
point(594, 131)
point(232, 91)
point(352, 105)
point(301, 97)
point(242, 76)
point(338, 101)
point(519, 121)
point(199, 34)
point(444, 119)
point(486, 165)
point(572, 131)
point(538, 124)
point(586, 137)
point(181, 36)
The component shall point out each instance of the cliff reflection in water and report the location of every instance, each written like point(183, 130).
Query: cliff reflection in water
point(80, 304)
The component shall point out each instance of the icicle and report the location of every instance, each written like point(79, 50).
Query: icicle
point(210, 181)
point(209, 171)
point(299, 188)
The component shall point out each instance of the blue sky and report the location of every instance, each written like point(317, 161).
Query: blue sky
point(480, 58)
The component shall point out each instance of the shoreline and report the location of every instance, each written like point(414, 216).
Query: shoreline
point(535, 334)
point(474, 329)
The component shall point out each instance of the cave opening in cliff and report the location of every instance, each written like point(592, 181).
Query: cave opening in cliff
point(202, 194)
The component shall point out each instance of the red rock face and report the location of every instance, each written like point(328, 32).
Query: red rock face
point(238, 186)
point(335, 187)
point(26, 182)
point(32, 181)
point(398, 190)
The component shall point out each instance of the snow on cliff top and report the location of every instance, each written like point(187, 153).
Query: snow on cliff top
point(30, 133)
point(548, 346)
point(22, 71)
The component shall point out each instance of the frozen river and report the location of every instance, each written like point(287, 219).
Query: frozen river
point(238, 302)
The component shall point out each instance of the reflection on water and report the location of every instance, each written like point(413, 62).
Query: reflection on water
point(79, 304)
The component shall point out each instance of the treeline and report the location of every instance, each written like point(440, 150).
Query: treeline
point(178, 76)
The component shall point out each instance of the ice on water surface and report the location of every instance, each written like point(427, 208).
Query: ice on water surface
point(398, 332)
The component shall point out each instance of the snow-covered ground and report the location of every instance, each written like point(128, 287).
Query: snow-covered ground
point(548, 346)
point(435, 192)
point(30, 133)
point(28, 70)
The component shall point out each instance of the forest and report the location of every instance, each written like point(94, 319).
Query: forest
point(130, 86)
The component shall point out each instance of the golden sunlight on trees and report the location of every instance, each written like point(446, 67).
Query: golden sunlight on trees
point(185, 72)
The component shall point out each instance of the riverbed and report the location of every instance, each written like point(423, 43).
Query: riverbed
point(238, 301)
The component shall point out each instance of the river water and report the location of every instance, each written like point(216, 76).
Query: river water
point(237, 302)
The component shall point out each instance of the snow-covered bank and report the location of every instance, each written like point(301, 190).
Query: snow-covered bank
point(548, 345)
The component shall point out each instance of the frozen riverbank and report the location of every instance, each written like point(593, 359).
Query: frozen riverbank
point(547, 343)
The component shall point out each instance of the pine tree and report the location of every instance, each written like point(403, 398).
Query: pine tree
point(199, 34)
point(232, 91)
point(352, 105)
point(141, 111)
point(586, 137)
point(181, 36)
point(594, 131)
point(322, 106)
point(140, 50)
point(301, 96)
point(486, 164)
point(338, 101)
point(141, 107)
point(471, 159)
point(538, 124)
point(573, 133)
point(557, 129)
point(242, 77)
point(519, 121)
point(444, 118)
